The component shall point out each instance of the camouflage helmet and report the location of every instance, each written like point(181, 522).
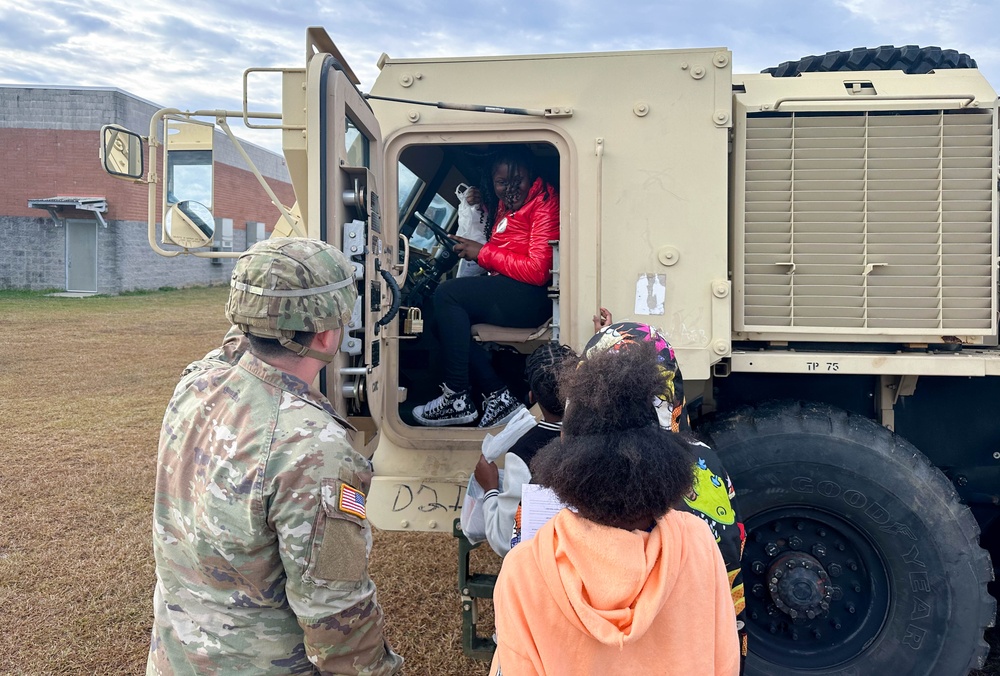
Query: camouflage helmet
point(288, 284)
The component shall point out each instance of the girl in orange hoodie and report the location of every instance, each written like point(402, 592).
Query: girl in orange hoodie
point(618, 583)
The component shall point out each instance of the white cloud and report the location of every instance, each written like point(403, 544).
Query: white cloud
point(192, 55)
point(925, 22)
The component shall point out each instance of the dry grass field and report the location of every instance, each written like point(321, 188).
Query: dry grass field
point(83, 387)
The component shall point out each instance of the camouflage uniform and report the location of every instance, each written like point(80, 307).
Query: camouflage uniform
point(261, 563)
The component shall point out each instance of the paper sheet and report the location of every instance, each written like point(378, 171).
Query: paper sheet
point(538, 505)
point(650, 294)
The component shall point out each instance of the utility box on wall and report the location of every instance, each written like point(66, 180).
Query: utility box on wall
point(255, 232)
point(223, 237)
point(224, 232)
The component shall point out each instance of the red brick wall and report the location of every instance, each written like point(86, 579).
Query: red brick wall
point(39, 163)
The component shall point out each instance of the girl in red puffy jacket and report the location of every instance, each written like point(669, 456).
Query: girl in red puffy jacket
point(518, 258)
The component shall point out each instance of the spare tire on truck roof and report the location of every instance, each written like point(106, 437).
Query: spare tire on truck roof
point(909, 59)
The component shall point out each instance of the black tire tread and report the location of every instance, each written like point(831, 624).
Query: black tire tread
point(909, 59)
point(792, 417)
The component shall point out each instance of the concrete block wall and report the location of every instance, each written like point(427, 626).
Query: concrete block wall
point(33, 254)
point(131, 245)
point(63, 108)
point(90, 108)
point(35, 258)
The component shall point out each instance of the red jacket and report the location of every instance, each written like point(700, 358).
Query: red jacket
point(520, 248)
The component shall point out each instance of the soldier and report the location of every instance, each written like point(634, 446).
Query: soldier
point(259, 527)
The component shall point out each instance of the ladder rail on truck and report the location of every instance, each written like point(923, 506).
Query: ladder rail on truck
point(821, 251)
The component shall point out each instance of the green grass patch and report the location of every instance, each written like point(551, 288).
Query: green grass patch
point(22, 294)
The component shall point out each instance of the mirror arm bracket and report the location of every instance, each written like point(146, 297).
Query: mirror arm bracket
point(293, 223)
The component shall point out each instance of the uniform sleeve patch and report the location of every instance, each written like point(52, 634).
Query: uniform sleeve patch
point(352, 501)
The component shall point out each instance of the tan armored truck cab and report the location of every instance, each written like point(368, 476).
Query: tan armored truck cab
point(821, 251)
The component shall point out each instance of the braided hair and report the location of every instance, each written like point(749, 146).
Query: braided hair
point(514, 156)
point(541, 370)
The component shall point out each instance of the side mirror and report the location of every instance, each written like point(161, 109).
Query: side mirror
point(189, 224)
point(188, 190)
point(121, 152)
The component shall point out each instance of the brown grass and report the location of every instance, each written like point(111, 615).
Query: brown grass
point(84, 385)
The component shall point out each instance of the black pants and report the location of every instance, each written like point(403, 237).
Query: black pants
point(487, 299)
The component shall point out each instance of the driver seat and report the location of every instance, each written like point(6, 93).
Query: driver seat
point(527, 340)
point(523, 340)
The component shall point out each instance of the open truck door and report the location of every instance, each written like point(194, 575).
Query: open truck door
point(337, 171)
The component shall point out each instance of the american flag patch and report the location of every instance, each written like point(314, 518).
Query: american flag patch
point(352, 501)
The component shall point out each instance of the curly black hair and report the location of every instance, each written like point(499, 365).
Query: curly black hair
point(271, 347)
point(612, 391)
point(541, 370)
point(614, 464)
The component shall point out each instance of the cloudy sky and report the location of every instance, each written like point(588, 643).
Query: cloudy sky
point(191, 55)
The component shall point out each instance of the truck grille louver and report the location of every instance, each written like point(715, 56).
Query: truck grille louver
point(877, 222)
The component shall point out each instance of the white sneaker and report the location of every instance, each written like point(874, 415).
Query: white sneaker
point(499, 408)
point(451, 408)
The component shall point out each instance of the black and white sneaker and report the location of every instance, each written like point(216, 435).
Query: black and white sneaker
point(451, 408)
point(498, 408)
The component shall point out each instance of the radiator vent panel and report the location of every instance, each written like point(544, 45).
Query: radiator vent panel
point(869, 223)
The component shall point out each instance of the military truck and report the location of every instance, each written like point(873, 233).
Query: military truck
point(820, 249)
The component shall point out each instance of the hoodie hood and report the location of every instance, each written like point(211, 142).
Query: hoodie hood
point(614, 582)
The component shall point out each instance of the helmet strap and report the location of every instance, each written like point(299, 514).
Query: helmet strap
point(303, 351)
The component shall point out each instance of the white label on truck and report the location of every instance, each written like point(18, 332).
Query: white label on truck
point(650, 292)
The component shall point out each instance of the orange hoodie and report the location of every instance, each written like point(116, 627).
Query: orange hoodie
point(582, 598)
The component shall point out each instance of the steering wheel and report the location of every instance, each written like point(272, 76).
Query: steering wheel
point(440, 234)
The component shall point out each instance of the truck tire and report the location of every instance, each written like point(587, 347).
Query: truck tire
point(909, 59)
point(859, 559)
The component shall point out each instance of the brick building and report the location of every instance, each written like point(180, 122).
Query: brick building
point(65, 224)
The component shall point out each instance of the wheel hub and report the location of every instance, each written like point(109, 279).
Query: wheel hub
point(818, 591)
point(799, 585)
